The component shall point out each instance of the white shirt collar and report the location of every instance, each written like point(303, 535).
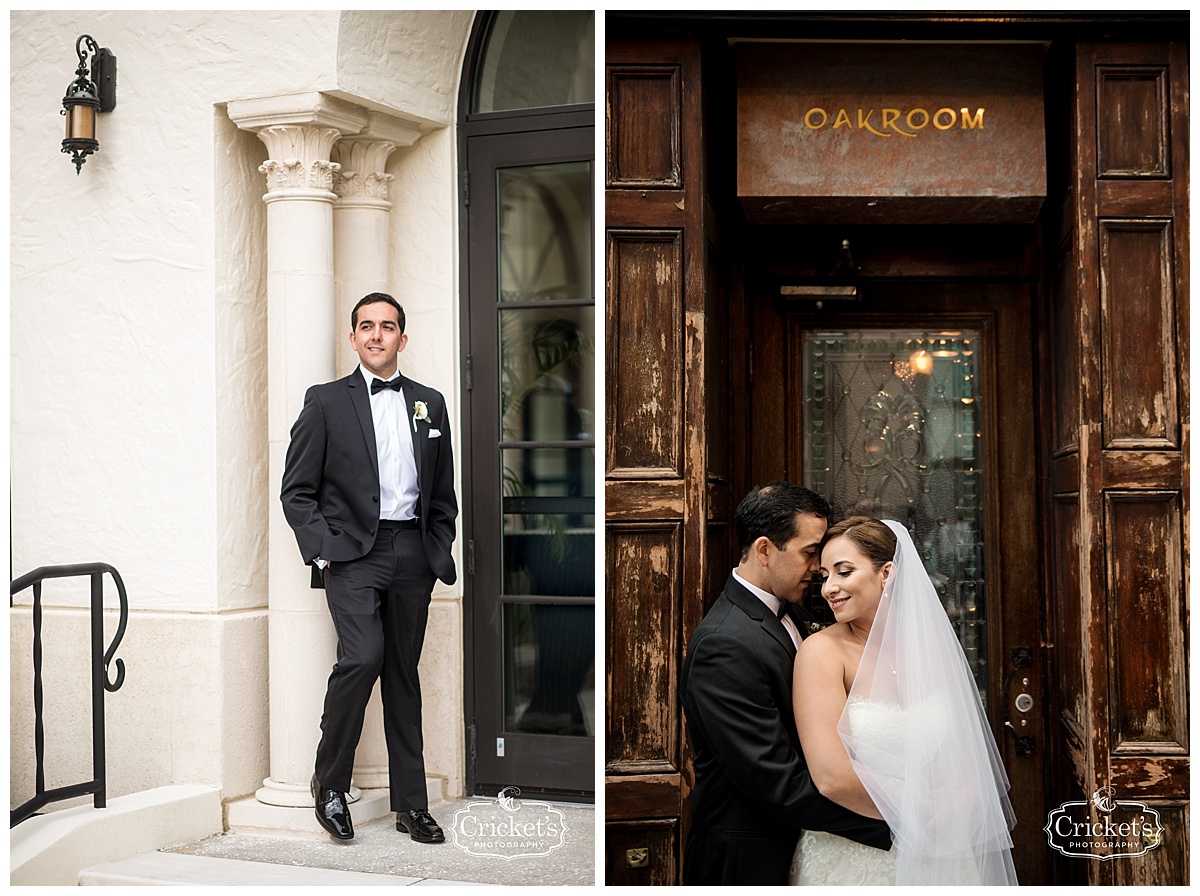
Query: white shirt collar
point(773, 603)
point(369, 377)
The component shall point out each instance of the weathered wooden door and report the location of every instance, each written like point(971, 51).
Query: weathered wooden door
point(666, 479)
point(1117, 350)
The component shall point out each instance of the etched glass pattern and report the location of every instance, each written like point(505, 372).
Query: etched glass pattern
point(892, 430)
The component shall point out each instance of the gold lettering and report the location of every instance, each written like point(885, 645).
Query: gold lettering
point(972, 123)
point(937, 123)
point(895, 120)
point(908, 119)
point(866, 123)
point(889, 121)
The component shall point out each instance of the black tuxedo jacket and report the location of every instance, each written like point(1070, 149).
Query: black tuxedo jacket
point(330, 489)
point(753, 793)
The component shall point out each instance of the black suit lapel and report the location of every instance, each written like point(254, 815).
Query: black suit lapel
point(411, 396)
point(757, 610)
point(410, 392)
point(361, 400)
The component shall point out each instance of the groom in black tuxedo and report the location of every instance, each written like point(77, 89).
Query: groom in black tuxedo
point(368, 488)
point(753, 794)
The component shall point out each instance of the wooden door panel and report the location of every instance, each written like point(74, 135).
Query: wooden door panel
point(644, 127)
point(1132, 134)
point(1169, 861)
point(643, 581)
point(1148, 681)
point(644, 355)
point(642, 853)
point(1137, 307)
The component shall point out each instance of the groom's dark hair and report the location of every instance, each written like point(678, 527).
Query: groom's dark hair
point(771, 510)
point(371, 299)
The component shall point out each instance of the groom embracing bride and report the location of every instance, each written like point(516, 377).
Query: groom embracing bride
point(753, 792)
point(883, 699)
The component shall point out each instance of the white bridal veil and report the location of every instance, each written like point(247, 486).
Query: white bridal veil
point(937, 777)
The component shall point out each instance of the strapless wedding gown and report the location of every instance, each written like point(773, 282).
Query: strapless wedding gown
point(823, 859)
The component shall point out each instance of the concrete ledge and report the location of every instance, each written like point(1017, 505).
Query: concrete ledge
point(156, 869)
point(55, 848)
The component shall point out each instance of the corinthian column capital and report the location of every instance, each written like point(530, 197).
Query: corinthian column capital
point(299, 132)
point(363, 157)
point(361, 163)
point(299, 158)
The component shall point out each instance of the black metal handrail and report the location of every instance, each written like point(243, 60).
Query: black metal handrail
point(100, 682)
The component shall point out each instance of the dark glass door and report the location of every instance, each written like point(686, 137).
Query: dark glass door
point(531, 460)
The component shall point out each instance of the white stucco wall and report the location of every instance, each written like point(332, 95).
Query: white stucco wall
point(123, 467)
point(140, 284)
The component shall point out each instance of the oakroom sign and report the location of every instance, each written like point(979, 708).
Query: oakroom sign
point(890, 133)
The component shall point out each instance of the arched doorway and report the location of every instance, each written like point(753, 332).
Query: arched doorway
point(526, 155)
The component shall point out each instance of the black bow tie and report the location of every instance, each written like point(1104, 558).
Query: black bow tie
point(782, 609)
point(378, 385)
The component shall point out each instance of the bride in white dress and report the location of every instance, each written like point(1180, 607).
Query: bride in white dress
point(885, 703)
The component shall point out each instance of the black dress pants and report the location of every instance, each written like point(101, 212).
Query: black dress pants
point(379, 604)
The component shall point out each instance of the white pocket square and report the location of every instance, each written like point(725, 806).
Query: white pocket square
point(435, 433)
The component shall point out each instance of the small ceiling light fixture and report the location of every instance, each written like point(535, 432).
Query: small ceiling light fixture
point(87, 96)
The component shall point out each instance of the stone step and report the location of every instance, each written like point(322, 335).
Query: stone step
point(249, 816)
point(52, 849)
point(156, 869)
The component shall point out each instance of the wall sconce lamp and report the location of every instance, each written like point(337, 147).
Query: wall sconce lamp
point(85, 97)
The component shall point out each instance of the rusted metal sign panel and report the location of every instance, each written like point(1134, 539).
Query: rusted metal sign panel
point(890, 133)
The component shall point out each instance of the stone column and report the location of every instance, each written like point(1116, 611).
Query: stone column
point(361, 265)
point(299, 133)
point(361, 215)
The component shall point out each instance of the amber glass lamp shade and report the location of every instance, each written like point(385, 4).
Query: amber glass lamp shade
point(80, 106)
point(81, 122)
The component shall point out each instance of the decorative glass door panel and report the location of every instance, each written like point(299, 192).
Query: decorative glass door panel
point(892, 429)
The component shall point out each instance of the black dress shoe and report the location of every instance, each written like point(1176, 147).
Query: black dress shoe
point(420, 825)
point(333, 812)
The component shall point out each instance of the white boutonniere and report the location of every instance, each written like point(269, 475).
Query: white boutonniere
point(420, 412)
point(814, 627)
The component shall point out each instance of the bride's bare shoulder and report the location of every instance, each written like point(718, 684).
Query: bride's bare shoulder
point(824, 643)
point(822, 658)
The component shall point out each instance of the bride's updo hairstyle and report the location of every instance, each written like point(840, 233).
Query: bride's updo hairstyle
point(876, 541)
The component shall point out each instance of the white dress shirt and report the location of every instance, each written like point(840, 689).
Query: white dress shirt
point(398, 491)
point(773, 604)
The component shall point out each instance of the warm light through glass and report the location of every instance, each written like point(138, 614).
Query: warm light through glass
point(921, 362)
